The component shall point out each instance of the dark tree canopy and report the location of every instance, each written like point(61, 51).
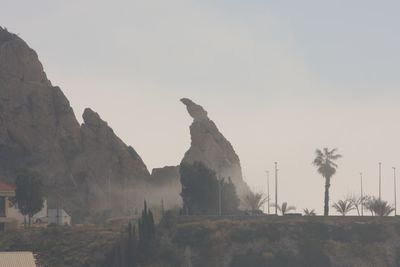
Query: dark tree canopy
point(200, 191)
point(29, 194)
point(230, 200)
point(147, 230)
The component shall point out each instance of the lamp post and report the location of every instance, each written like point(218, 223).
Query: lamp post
point(395, 197)
point(380, 180)
point(362, 197)
point(268, 191)
point(276, 188)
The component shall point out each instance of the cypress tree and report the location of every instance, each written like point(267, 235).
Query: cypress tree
point(146, 230)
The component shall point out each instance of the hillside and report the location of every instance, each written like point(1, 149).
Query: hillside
point(230, 241)
point(63, 246)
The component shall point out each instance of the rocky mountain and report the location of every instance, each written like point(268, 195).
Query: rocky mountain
point(84, 166)
point(87, 168)
point(209, 146)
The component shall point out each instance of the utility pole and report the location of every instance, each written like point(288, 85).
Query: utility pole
point(395, 197)
point(380, 180)
point(362, 196)
point(276, 188)
point(268, 200)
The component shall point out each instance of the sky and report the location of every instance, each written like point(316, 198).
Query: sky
point(279, 78)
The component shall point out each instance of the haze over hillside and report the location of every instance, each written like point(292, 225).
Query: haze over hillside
point(279, 79)
point(87, 167)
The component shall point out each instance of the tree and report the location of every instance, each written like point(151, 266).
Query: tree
point(28, 194)
point(229, 198)
point(201, 191)
point(343, 206)
point(146, 227)
point(254, 201)
point(379, 207)
point(308, 212)
point(131, 246)
point(326, 166)
point(284, 208)
point(124, 251)
point(358, 203)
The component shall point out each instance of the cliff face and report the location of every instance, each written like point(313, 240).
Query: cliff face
point(212, 148)
point(38, 131)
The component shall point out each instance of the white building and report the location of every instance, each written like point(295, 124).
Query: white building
point(44, 217)
point(58, 216)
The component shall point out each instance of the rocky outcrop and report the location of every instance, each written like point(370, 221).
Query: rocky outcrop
point(106, 167)
point(165, 184)
point(209, 146)
point(86, 167)
point(38, 128)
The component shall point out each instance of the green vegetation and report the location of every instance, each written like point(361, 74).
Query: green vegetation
point(326, 166)
point(308, 212)
point(147, 230)
point(124, 253)
point(343, 206)
point(378, 207)
point(284, 208)
point(203, 193)
point(63, 246)
point(28, 194)
point(219, 241)
point(254, 201)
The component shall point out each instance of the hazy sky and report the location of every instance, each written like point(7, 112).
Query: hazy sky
point(279, 78)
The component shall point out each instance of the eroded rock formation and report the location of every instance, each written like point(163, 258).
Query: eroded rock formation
point(87, 168)
point(209, 146)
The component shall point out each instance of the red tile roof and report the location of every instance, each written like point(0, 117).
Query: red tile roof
point(6, 187)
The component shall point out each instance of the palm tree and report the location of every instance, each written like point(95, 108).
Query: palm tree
point(308, 212)
point(358, 202)
point(284, 208)
point(254, 201)
point(325, 162)
point(379, 207)
point(343, 206)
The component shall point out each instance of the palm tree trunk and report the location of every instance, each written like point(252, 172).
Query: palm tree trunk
point(327, 185)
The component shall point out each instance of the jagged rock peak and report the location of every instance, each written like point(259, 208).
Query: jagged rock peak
point(196, 111)
point(18, 61)
point(92, 118)
point(210, 147)
point(39, 132)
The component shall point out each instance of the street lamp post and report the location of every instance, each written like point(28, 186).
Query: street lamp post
point(268, 191)
point(380, 180)
point(276, 188)
point(362, 197)
point(395, 197)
